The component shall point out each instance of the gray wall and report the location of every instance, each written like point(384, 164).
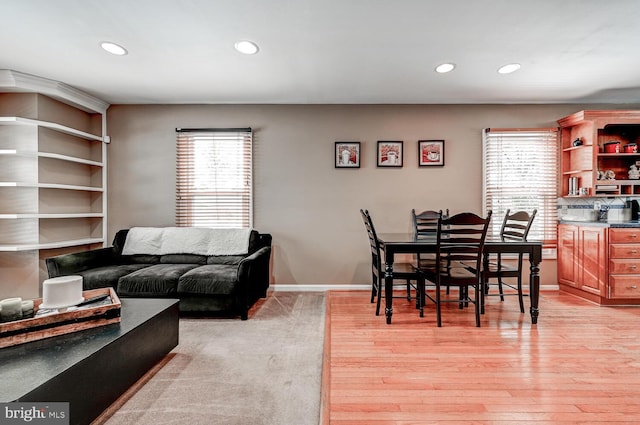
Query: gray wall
point(309, 207)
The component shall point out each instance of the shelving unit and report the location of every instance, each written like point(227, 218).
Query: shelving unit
point(52, 177)
point(619, 163)
point(593, 129)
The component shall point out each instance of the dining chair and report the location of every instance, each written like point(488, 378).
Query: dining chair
point(459, 242)
point(425, 226)
point(401, 271)
point(515, 228)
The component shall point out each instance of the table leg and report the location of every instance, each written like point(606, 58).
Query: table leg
point(484, 282)
point(534, 289)
point(388, 286)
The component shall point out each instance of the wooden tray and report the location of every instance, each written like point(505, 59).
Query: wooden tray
point(35, 328)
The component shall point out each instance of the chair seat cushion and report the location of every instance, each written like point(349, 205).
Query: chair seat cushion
point(427, 262)
point(494, 268)
point(159, 280)
point(403, 268)
point(456, 270)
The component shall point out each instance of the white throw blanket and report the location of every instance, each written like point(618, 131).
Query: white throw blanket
point(186, 240)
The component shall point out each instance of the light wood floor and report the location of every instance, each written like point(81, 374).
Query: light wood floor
point(580, 364)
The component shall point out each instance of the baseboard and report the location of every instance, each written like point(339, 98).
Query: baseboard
point(350, 287)
point(318, 287)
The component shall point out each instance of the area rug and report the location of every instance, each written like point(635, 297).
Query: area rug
point(263, 371)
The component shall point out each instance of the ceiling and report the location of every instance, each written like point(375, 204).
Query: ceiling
point(330, 51)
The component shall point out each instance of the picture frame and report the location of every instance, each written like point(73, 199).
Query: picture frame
point(347, 155)
point(390, 153)
point(430, 153)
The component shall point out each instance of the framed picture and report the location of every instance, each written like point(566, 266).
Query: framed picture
point(430, 153)
point(347, 155)
point(389, 154)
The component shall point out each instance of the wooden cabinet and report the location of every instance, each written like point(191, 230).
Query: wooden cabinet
point(567, 254)
point(582, 259)
point(583, 136)
point(52, 177)
point(599, 263)
point(624, 263)
point(592, 259)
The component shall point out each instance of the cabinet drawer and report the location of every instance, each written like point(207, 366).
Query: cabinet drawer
point(624, 286)
point(618, 266)
point(624, 251)
point(617, 235)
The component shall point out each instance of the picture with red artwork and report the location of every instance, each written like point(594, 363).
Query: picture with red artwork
point(430, 153)
point(390, 154)
point(347, 155)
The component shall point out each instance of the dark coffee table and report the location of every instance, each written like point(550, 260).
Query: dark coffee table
point(90, 369)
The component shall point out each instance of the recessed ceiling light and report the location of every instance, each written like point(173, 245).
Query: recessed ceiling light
point(246, 47)
point(445, 67)
point(113, 48)
point(509, 68)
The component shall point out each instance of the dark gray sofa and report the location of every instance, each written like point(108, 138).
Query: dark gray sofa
point(205, 285)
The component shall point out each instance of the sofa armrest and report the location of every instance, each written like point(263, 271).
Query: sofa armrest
point(264, 240)
point(67, 264)
point(254, 269)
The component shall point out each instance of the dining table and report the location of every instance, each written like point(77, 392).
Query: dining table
point(408, 243)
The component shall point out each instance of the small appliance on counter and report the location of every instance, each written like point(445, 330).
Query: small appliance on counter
point(634, 210)
point(603, 213)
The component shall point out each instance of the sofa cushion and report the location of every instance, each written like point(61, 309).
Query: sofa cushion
point(102, 277)
point(159, 280)
point(212, 279)
point(140, 259)
point(183, 259)
point(225, 259)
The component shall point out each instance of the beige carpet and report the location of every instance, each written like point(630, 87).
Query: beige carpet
point(263, 371)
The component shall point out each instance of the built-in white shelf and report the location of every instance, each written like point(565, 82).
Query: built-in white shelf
point(39, 216)
point(53, 161)
point(50, 245)
point(51, 155)
point(70, 159)
point(50, 125)
point(52, 186)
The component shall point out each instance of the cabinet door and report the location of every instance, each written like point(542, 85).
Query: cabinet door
point(592, 259)
point(567, 254)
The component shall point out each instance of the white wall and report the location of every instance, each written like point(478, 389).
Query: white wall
point(311, 208)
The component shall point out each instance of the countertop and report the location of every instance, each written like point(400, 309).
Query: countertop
point(610, 223)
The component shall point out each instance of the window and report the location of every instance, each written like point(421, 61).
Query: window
point(214, 183)
point(521, 173)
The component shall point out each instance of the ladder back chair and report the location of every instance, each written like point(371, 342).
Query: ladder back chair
point(459, 242)
point(515, 227)
point(425, 225)
point(403, 271)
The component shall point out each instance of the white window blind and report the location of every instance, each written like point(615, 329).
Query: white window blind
point(214, 184)
point(521, 173)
